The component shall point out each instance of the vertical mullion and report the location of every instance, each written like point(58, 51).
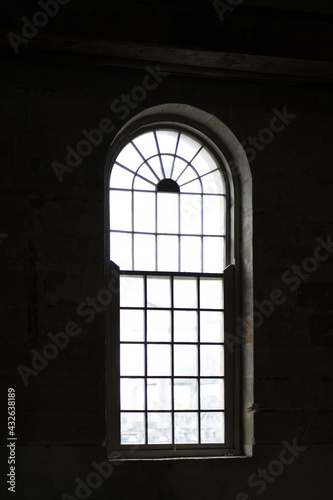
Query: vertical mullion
point(146, 360)
point(172, 365)
point(132, 210)
point(179, 234)
point(199, 360)
point(156, 238)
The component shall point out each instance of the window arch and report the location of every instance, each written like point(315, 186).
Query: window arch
point(172, 248)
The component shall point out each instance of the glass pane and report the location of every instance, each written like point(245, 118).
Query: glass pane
point(167, 141)
point(190, 213)
point(120, 210)
point(178, 168)
point(159, 326)
point(131, 291)
point(213, 183)
point(144, 252)
point(211, 360)
point(204, 162)
point(212, 427)
point(131, 325)
point(121, 250)
point(132, 428)
point(167, 161)
point(155, 164)
point(214, 214)
point(214, 254)
point(187, 147)
point(159, 428)
point(129, 157)
point(188, 175)
point(159, 393)
point(211, 326)
point(186, 427)
point(185, 326)
point(121, 178)
point(167, 256)
point(185, 360)
point(142, 184)
point(211, 394)
point(144, 212)
point(167, 212)
point(158, 292)
point(150, 174)
point(185, 293)
point(186, 394)
point(190, 254)
point(132, 360)
point(211, 293)
point(159, 360)
point(132, 394)
point(191, 187)
point(146, 144)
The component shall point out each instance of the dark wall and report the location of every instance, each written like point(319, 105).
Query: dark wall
point(52, 260)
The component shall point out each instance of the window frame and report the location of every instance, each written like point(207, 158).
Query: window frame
point(199, 130)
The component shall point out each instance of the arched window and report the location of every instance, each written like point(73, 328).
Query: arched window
point(172, 231)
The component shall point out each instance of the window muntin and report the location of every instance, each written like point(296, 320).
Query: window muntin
point(169, 230)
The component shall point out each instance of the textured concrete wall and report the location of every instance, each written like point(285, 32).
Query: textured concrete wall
point(52, 260)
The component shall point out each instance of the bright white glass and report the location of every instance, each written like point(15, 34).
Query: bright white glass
point(167, 162)
point(144, 212)
point(211, 326)
point(185, 394)
point(132, 394)
point(188, 175)
point(129, 157)
point(212, 427)
point(155, 164)
point(121, 249)
point(159, 428)
point(179, 166)
point(190, 214)
point(120, 210)
point(158, 292)
point(131, 325)
point(167, 141)
point(131, 291)
point(204, 162)
point(140, 183)
point(151, 174)
point(132, 428)
point(146, 144)
point(211, 360)
point(211, 394)
point(158, 326)
point(144, 252)
point(211, 293)
point(190, 254)
point(187, 147)
point(159, 393)
point(167, 212)
point(158, 360)
point(186, 427)
point(214, 254)
point(185, 360)
point(121, 178)
point(132, 357)
point(213, 183)
point(214, 214)
point(185, 326)
point(191, 187)
point(185, 293)
point(167, 253)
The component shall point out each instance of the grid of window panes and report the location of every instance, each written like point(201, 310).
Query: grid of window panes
point(167, 231)
point(171, 359)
